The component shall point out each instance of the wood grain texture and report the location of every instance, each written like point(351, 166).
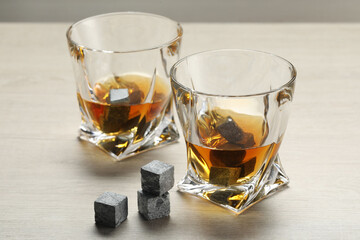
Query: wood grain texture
point(49, 179)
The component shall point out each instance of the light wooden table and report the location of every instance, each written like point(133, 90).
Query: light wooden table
point(49, 179)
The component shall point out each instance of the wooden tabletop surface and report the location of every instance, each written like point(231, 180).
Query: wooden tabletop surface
point(49, 179)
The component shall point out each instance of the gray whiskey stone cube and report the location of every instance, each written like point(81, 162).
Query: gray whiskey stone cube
point(157, 177)
point(120, 95)
point(222, 197)
point(234, 134)
point(152, 206)
point(248, 167)
point(111, 209)
point(224, 176)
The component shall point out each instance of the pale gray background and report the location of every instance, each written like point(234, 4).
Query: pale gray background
point(186, 10)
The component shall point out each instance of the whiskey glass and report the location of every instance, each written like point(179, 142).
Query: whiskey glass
point(233, 106)
point(122, 65)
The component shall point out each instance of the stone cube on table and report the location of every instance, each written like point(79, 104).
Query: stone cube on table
point(157, 177)
point(152, 206)
point(111, 209)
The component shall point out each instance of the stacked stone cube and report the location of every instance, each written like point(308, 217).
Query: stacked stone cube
point(157, 178)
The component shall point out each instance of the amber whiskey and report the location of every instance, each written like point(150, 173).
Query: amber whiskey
point(133, 113)
point(226, 167)
point(231, 149)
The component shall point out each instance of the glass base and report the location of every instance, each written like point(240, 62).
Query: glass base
point(124, 146)
point(238, 198)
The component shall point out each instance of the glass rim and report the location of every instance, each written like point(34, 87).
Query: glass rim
point(292, 70)
point(162, 45)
